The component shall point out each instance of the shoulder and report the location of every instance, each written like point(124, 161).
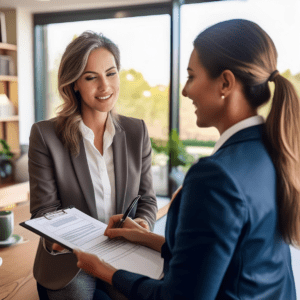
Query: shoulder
point(44, 129)
point(132, 126)
point(212, 177)
point(206, 169)
point(45, 124)
point(129, 122)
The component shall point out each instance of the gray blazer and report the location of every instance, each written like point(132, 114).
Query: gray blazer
point(58, 180)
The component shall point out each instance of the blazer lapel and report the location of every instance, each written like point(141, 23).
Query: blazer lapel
point(121, 168)
point(84, 178)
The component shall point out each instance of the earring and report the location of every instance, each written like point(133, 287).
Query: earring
point(223, 97)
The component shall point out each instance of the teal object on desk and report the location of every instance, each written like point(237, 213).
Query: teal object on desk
point(6, 224)
point(14, 239)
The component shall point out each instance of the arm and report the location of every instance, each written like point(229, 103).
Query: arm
point(43, 190)
point(147, 205)
point(134, 233)
point(130, 231)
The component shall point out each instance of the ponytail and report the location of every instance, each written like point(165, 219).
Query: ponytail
point(283, 131)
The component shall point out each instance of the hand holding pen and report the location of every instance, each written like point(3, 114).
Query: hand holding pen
point(119, 224)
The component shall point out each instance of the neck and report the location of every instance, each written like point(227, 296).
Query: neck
point(237, 110)
point(96, 122)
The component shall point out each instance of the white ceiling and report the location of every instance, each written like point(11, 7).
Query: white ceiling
point(61, 5)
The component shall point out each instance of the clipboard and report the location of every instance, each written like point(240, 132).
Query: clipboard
point(72, 228)
point(49, 216)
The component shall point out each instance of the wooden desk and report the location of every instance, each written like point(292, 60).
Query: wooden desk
point(16, 278)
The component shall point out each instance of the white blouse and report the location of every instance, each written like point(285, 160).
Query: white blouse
point(101, 169)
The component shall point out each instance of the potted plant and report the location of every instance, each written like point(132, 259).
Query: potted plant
point(159, 168)
point(179, 158)
point(5, 162)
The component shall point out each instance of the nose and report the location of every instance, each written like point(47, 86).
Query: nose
point(184, 93)
point(102, 84)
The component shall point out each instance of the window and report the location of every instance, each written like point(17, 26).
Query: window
point(278, 18)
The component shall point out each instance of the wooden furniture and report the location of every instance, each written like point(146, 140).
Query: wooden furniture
point(9, 126)
point(16, 278)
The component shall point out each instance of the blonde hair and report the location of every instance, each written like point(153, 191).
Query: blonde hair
point(247, 50)
point(71, 67)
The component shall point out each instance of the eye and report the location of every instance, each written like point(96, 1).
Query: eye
point(190, 77)
point(111, 74)
point(89, 78)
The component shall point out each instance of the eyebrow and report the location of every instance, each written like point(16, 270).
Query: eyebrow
point(97, 73)
point(189, 69)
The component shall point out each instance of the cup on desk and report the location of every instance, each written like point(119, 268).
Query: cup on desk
point(6, 224)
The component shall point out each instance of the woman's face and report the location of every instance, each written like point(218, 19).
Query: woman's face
point(204, 92)
point(99, 83)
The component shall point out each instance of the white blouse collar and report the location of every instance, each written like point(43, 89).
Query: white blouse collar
point(252, 121)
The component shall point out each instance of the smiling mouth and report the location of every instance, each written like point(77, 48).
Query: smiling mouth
point(104, 98)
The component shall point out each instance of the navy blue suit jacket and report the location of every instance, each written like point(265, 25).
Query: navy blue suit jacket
point(222, 238)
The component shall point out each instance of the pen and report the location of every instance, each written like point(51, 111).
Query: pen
point(127, 212)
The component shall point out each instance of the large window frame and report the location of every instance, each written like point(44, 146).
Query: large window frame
point(172, 8)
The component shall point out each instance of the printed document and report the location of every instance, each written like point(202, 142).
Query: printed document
point(74, 229)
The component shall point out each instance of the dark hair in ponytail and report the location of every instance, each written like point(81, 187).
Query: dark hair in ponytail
point(246, 50)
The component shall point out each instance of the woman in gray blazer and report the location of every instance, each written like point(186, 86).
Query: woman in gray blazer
point(88, 157)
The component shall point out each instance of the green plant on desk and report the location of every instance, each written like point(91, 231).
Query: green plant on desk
point(5, 160)
point(180, 159)
point(175, 149)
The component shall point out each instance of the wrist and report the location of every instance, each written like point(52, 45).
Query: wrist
point(146, 237)
point(110, 276)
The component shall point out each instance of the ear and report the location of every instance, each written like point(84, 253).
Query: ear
point(228, 81)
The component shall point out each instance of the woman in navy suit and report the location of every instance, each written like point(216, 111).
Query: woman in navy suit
point(229, 227)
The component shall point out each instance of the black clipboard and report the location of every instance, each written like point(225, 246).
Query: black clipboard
point(49, 216)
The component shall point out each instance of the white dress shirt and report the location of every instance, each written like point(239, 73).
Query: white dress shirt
point(252, 121)
point(101, 169)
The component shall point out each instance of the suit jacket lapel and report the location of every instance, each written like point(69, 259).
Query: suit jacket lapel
point(121, 168)
point(84, 178)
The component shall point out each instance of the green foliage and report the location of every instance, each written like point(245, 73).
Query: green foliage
point(5, 152)
point(139, 100)
point(197, 143)
point(176, 149)
point(156, 148)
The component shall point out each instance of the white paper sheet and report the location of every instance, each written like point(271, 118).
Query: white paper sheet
point(75, 229)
